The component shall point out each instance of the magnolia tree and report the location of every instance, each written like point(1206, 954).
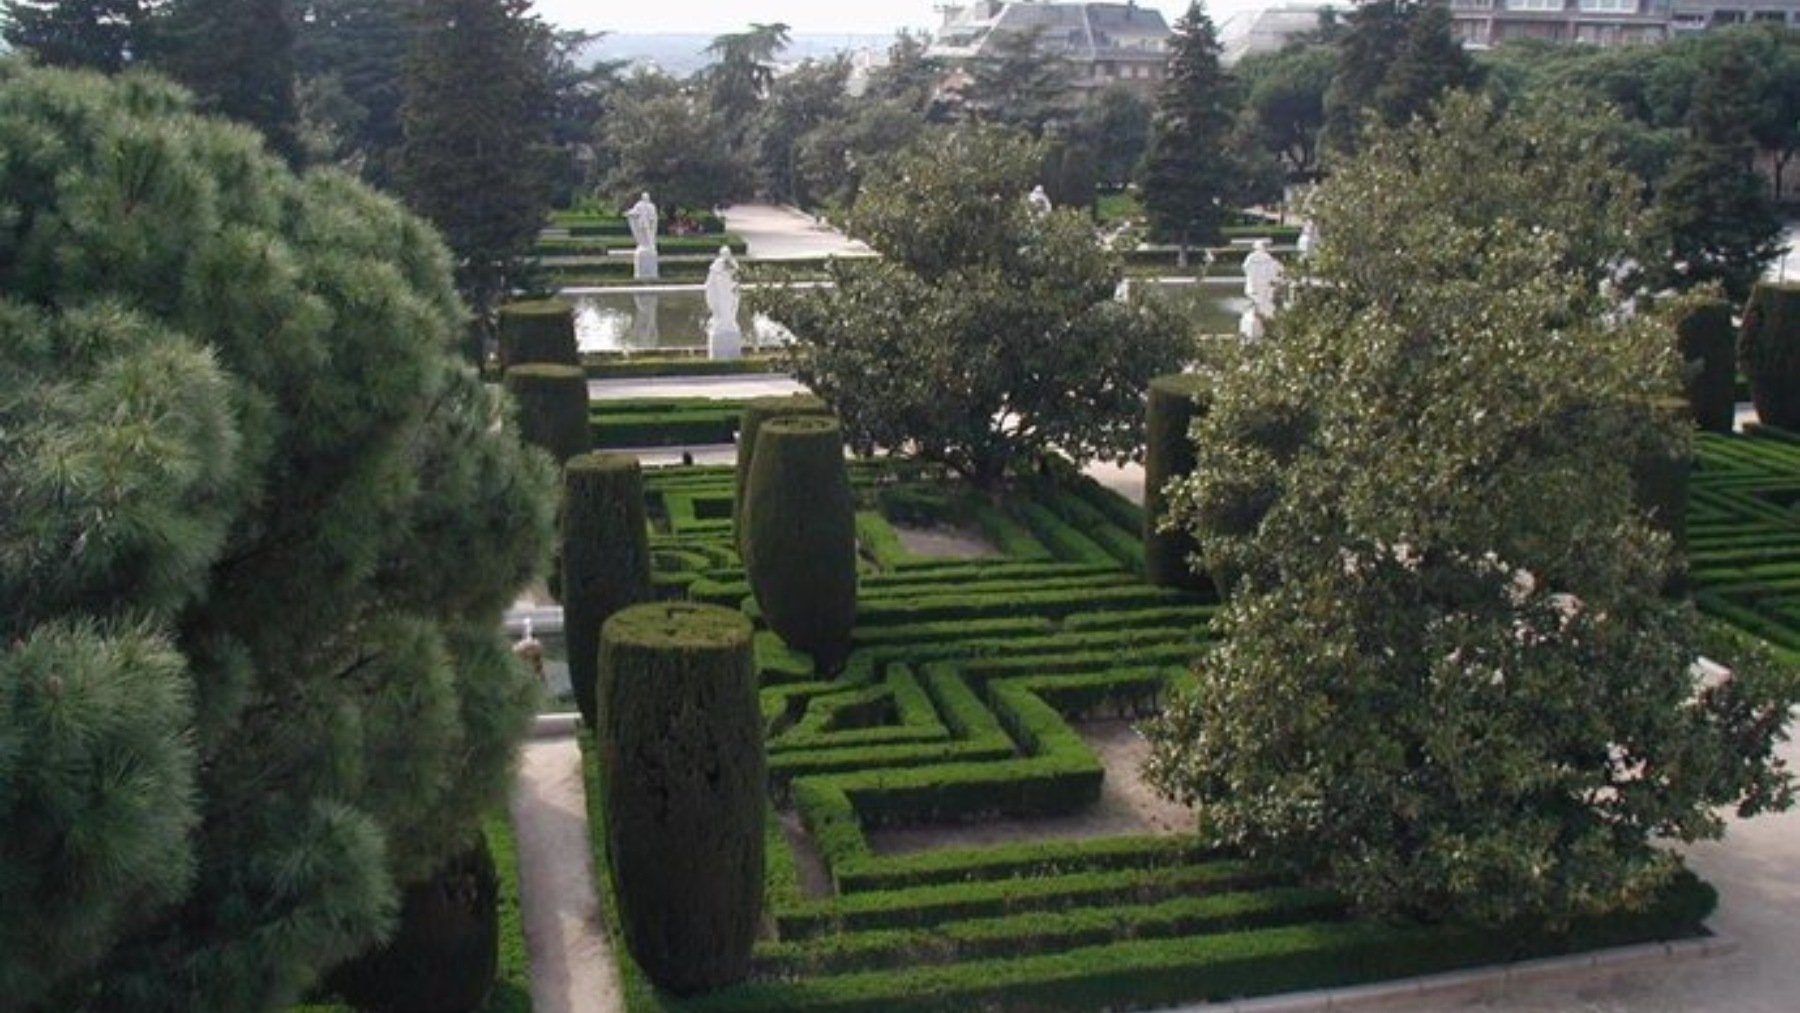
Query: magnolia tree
point(260, 527)
point(987, 335)
point(1449, 681)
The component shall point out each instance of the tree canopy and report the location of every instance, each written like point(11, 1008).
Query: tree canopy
point(262, 523)
point(475, 160)
point(986, 335)
point(1448, 681)
point(1189, 173)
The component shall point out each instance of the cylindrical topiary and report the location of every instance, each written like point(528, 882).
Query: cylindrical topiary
point(605, 559)
point(538, 331)
point(756, 412)
point(1769, 352)
point(553, 408)
point(681, 749)
point(800, 536)
point(1175, 401)
point(444, 956)
point(1706, 339)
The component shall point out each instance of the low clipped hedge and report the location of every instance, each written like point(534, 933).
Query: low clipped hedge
point(1707, 341)
point(683, 771)
point(1175, 402)
point(553, 408)
point(605, 244)
point(1769, 352)
point(539, 331)
point(799, 542)
point(604, 366)
point(605, 553)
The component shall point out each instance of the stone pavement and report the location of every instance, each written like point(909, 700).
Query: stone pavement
point(572, 967)
point(782, 233)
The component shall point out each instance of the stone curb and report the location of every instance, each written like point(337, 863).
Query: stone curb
point(1474, 983)
point(555, 726)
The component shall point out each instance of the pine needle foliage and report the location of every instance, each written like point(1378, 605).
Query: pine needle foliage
point(260, 527)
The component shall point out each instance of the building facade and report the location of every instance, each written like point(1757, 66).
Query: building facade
point(1104, 43)
point(1608, 22)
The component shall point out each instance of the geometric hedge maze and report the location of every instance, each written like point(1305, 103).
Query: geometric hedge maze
point(957, 705)
point(1744, 534)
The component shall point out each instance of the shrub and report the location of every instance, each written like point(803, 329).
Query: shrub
point(538, 331)
point(444, 955)
point(605, 558)
point(552, 408)
point(1168, 453)
point(800, 536)
point(756, 412)
point(1769, 353)
point(682, 759)
point(1707, 342)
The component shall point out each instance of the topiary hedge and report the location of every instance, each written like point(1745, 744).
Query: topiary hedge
point(681, 749)
point(444, 956)
point(1769, 352)
point(605, 559)
point(1707, 341)
point(799, 523)
point(756, 412)
point(1175, 401)
point(539, 331)
point(553, 407)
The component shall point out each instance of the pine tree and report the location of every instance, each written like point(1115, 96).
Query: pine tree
point(474, 161)
point(1428, 63)
point(1398, 58)
point(237, 56)
point(358, 48)
point(1188, 173)
point(1713, 208)
point(261, 524)
point(102, 35)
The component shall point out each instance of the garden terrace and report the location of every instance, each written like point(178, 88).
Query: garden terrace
point(969, 698)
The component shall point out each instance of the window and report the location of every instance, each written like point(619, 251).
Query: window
point(1778, 17)
point(1535, 5)
point(1610, 6)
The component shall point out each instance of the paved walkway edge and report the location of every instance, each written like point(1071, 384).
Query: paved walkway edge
point(572, 968)
point(1475, 983)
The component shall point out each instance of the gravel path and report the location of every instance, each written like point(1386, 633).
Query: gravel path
point(571, 959)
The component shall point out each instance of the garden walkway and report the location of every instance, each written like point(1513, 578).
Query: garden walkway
point(782, 233)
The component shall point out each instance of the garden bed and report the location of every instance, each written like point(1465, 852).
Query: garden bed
point(938, 834)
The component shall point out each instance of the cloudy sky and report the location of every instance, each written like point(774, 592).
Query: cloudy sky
point(711, 17)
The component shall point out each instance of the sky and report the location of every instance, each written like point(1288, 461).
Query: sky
point(713, 17)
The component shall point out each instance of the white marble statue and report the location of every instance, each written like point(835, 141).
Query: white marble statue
point(642, 218)
point(1039, 200)
point(1262, 273)
point(1309, 239)
point(723, 338)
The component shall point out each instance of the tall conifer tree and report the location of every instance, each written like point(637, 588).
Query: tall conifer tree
point(101, 35)
point(1189, 173)
point(475, 159)
point(237, 56)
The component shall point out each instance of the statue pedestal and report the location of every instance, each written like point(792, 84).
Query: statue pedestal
point(1250, 325)
point(646, 264)
point(724, 342)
